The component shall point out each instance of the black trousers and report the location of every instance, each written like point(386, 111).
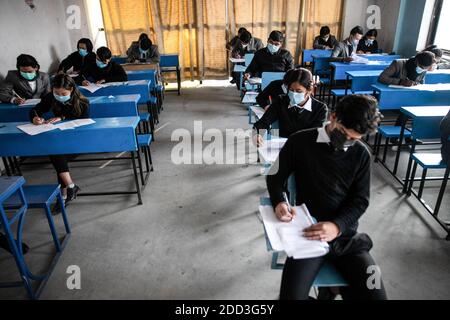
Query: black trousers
point(298, 277)
point(61, 165)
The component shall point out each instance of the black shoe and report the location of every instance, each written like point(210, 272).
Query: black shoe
point(5, 245)
point(233, 81)
point(72, 193)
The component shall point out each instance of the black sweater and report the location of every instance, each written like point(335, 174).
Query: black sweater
point(362, 46)
point(62, 110)
point(334, 185)
point(113, 72)
point(271, 92)
point(445, 135)
point(76, 61)
point(292, 119)
point(264, 61)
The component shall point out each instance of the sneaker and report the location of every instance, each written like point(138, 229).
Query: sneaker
point(5, 245)
point(72, 193)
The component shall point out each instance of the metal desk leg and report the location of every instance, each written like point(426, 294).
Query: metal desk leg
point(136, 178)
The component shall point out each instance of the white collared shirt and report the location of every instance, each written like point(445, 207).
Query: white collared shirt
point(323, 136)
point(307, 106)
point(33, 85)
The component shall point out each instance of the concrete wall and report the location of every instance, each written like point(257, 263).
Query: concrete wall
point(41, 33)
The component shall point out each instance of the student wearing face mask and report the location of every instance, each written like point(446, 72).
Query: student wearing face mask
point(273, 58)
point(235, 41)
point(79, 59)
point(408, 73)
point(343, 51)
point(66, 103)
point(103, 70)
point(332, 172)
point(325, 41)
point(297, 110)
point(368, 44)
point(27, 82)
point(438, 53)
point(247, 44)
point(143, 51)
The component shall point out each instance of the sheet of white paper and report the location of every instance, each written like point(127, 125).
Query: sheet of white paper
point(255, 81)
point(359, 60)
point(66, 125)
point(30, 102)
point(288, 237)
point(425, 87)
point(271, 149)
point(83, 122)
point(233, 60)
point(92, 87)
point(250, 97)
point(33, 130)
point(258, 111)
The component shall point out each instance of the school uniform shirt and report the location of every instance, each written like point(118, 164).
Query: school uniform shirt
point(26, 89)
point(254, 45)
point(264, 61)
point(399, 70)
point(273, 91)
point(445, 135)
point(61, 110)
point(334, 185)
point(134, 54)
point(76, 62)
point(365, 46)
point(343, 49)
point(321, 44)
point(113, 72)
point(293, 118)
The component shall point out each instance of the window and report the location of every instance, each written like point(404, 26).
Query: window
point(442, 39)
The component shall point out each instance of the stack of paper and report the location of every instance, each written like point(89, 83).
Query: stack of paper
point(33, 130)
point(271, 149)
point(288, 237)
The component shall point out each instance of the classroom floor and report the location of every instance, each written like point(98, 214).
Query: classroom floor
point(198, 235)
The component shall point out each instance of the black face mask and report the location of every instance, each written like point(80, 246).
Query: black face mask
point(339, 140)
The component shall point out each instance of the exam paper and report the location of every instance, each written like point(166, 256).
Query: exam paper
point(288, 237)
point(30, 102)
point(359, 60)
point(424, 87)
point(255, 81)
point(271, 149)
point(33, 130)
point(233, 60)
point(258, 111)
point(250, 97)
point(93, 87)
point(83, 122)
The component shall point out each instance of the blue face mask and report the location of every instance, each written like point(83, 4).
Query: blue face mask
point(101, 64)
point(62, 99)
point(83, 52)
point(296, 97)
point(28, 75)
point(419, 70)
point(273, 48)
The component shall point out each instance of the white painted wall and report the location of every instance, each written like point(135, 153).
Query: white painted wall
point(41, 33)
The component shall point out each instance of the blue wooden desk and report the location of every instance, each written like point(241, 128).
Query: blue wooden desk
point(100, 107)
point(307, 56)
point(339, 69)
point(438, 76)
point(381, 57)
point(137, 75)
point(395, 98)
point(141, 87)
point(107, 135)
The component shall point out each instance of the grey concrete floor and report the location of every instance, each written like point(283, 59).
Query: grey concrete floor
point(198, 236)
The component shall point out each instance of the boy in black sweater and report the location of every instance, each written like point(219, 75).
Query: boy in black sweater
point(103, 70)
point(332, 173)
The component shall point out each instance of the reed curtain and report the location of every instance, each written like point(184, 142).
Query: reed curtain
point(198, 29)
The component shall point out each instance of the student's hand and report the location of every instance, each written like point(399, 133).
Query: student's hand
point(38, 121)
point(283, 214)
point(348, 59)
point(19, 101)
point(323, 231)
point(101, 81)
point(247, 76)
point(258, 140)
point(85, 83)
point(407, 83)
point(360, 52)
point(53, 120)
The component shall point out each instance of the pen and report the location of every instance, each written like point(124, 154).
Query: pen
point(15, 93)
point(287, 202)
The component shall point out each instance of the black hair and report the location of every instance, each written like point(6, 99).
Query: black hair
point(143, 36)
point(78, 100)
point(359, 113)
point(434, 49)
point(303, 76)
point(145, 44)
point(425, 59)
point(324, 31)
point(245, 36)
point(104, 53)
point(25, 60)
point(357, 30)
point(276, 36)
point(87, 42)
point(372, 33)
point(242, 29)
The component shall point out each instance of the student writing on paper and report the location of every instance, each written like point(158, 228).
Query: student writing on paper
point(368, 44)
point(79, 59)
point(66, 103)
point(332, 173)
point(143, 51)
point(236, 40)
point(272, 92)
point(273, 58)
point(27, 82)
point(445, 136)
point(297, 109)
point(407, 73)
point(325, 41)
point(103, 70)
point(343, 51)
